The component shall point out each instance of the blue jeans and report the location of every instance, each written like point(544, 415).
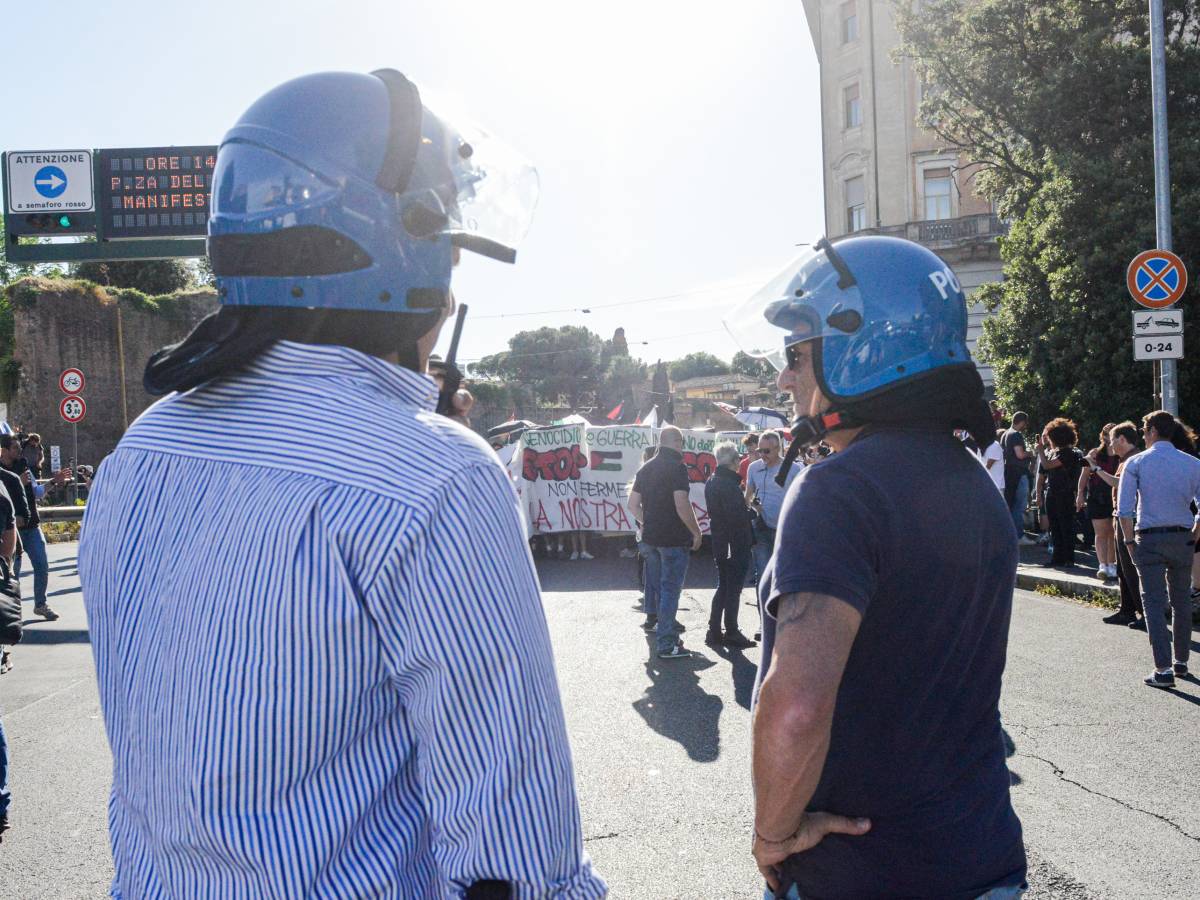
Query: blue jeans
point(997, 893)
point(35, 548)
point(5, 796)
point(764, 546)
point(649, 584)
point(1019, 504)
point(666, 567)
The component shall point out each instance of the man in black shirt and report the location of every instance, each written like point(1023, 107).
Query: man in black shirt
point(33, 543)
point(660, 501)
point(1016, 473)
point(729, 525)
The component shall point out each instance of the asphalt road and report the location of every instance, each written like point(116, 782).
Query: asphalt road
point(1105, 769)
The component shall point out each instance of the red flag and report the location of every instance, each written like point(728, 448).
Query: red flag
point(616, 413)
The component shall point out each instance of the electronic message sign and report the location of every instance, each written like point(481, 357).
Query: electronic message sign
point(152, 192)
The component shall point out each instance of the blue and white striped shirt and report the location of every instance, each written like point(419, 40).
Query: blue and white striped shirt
point(319, 681)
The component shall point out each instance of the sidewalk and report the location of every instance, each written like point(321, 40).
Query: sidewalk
point(1033, 572)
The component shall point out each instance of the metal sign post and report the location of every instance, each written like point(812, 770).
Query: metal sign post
point(74, 462)
point(1168, 383)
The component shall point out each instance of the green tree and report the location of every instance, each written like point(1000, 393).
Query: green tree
point(153, 277)
point(550, 362)
point(1052, 99)
point(751, 366)
point(697, 365)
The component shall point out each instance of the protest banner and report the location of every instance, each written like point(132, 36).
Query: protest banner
point(577, 477)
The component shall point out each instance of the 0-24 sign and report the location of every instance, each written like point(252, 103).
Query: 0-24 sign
point(1161, 347)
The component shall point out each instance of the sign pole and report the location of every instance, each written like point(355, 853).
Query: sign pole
point(74, 462)
point(1168, 384)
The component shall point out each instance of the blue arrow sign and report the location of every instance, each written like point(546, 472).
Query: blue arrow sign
point(50, 181)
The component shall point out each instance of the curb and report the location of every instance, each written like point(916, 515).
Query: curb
point(1030, 578)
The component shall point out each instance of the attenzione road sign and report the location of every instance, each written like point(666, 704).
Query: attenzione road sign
point(49, 181)
point(1161, 347)
point(71, 381)
point(72, 409)
point(1157, 323)
point(1156, 278)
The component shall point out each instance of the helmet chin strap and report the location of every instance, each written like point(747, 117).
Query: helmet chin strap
point(452, 376)
point(809, 430)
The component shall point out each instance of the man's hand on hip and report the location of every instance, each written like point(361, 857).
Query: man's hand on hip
point(813, 828)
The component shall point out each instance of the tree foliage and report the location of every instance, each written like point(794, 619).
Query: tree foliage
point(549, 361)
point(153, 277)
point(697, 365)
point(751, 366)
point(1052, 99)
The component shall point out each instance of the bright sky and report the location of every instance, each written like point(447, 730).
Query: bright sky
point(678, 143)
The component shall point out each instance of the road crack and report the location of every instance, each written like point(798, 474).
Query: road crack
point(601, 837)
point(1061, 775)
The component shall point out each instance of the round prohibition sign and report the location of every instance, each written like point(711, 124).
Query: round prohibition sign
point(72, 409)
point(1156, 278)
point(70, 381)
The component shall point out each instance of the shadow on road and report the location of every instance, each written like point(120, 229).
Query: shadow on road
point(61, 592)
point(54, 635)
point(676, 707)
point(1010, 750)
point(744, 673)
point(615, 574)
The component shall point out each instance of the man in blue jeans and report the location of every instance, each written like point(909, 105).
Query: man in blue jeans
point(660, 501)
point(1016, 473)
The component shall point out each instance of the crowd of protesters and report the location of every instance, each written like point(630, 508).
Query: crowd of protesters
point(1062, 494)
point(1136, 505)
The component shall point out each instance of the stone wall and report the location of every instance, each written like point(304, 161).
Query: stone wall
point(62, 324)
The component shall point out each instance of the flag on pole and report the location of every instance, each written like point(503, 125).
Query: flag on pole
point(616, 413)
point(732, 410)
point(652, 418)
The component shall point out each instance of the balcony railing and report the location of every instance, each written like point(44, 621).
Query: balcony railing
point(948, 232)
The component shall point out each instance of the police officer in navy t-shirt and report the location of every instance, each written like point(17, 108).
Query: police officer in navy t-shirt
point(879, 757)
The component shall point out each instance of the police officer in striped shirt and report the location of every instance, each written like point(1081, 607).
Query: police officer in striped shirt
point(319, 681)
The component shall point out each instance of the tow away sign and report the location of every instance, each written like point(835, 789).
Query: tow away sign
point(49, 181)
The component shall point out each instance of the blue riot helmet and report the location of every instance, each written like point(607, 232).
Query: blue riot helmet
point(887, 319)
point(344, 191)
point(338, 196)
point(880, 311)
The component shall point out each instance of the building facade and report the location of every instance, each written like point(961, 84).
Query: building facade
point(882, 173)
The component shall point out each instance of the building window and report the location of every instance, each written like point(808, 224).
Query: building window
point(856, 204)
point(939, 187)
point(849, 21)
point(852, 106)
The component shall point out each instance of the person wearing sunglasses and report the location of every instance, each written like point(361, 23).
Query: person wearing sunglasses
point(878, 754)
point(764, 495)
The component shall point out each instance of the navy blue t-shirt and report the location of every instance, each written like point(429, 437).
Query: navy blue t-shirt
point(907, 528)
